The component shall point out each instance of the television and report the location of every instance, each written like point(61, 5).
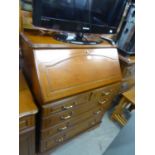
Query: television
point(78, 16)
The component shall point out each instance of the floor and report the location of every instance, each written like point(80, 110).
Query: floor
point(92, 142)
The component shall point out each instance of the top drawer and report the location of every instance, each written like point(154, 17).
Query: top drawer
point(105, 93)
point(26, 122)
point(66, 104)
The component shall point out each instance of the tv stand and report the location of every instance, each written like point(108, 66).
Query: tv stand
point(77, 38)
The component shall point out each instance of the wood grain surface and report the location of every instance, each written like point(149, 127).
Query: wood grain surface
point(26, 102)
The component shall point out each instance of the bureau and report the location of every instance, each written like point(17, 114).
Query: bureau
point(73, 85)
point(27, 113)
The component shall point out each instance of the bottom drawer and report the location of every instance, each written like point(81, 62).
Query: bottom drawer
point(27, 143)
point(60, 138)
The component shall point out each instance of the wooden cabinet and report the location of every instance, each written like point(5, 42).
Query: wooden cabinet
point(27, 143)
point(27, 111)
point(74, 85)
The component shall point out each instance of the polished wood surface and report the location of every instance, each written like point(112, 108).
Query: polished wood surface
point(66, 72)
point(27, 111)
point(130, 95)
point(67, 115)
point(59, 128)
point(71, 83)
point(26, 102)
point(27, 143)
point(57, 73)
point(62, 137)
point(37, 39)
point(26, 123)
point(127, 101)
point(56, 119)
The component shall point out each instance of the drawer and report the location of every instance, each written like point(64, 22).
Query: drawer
point(65, 104)
point(26, 122)
point(66, 115)
point(70, 123)
point(105, 93)
point(60, 138)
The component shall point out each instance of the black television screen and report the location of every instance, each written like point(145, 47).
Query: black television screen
point(86, 16)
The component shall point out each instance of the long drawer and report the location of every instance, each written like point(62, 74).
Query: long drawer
point(66, 115)
point(26, 122)
point(105, 95)
point(46, 133)
point(60, 138)
point(66, 104)
point(107, 92)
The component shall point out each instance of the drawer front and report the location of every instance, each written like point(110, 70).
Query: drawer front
point(105, 92)
point(66, 115)
point(73, 102)
point(27, 143)
point(26, 122)
point(70, 123)
point(60, 138)
point(65, 104)
point(104, 96)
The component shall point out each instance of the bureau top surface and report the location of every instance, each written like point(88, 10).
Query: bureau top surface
point(36, 40)
point(26, 103)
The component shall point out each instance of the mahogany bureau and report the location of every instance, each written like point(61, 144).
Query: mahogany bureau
point(74, 85)
point(27, 112)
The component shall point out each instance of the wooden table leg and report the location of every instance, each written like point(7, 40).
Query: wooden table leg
point(117, 114)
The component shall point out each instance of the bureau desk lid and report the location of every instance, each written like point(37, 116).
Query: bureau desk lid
point(65, 72)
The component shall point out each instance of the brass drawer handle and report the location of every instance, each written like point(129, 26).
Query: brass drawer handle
point(93, 123)
point(102, 102)
point(106, 93)
point(97, 112)
point(66, 117)
point(67, 107)
point(60, 140)
point(63, 128)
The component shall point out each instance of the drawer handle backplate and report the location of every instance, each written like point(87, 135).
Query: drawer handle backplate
point(67, 107)
point(66, 117)
point(97, 112)
point(106, 93)
point(93, 123)
point(60, 140)
point(103, 102)
point(63, 128)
